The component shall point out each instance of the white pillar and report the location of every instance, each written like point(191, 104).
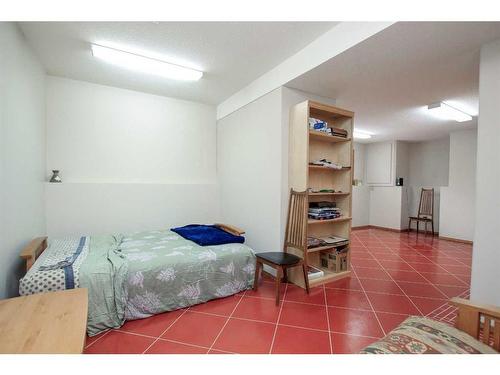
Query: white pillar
point(485, 286)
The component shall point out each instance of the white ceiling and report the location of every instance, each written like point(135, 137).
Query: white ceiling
point(388, 79)
point(232, 54)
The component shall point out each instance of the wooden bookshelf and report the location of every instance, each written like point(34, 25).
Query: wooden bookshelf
point(307, 145)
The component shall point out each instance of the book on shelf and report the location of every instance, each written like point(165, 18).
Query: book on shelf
point(332, 241)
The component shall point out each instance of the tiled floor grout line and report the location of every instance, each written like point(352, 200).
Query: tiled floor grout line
point(250, 320)
point(446, 308)
point(445, 272)
point(328, 320)
point(168, 340)
point(453, 311)
point(288, 325)
point(194, 345)
point(441, 265)
point(404, 281)
point(446, 304)
point(161, 334)
point(93, 342)
point(452, 308)
point(370, 302)
point(413, 303)
point(404, 260)
point(278, 320)
point(314, 304)
point(227, 321)
point(363, 278)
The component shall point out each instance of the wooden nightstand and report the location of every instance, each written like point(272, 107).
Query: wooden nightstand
point(49, 323)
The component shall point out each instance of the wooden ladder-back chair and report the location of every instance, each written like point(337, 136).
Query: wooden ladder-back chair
point(295, 236)
point(425, 210)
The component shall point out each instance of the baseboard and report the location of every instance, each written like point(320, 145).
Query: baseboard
point(456, 240)
point(378, 227)
point(361, 227)
point(420, 231)
point(390, 229)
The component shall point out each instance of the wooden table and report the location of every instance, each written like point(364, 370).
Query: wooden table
point(53, 322)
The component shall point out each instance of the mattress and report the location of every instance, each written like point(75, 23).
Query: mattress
point(140, 274)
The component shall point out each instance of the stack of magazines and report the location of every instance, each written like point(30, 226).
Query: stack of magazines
point(333, 241)
point(326, 163)
point(323, 211)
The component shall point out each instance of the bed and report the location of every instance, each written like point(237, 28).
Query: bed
point(137, 275)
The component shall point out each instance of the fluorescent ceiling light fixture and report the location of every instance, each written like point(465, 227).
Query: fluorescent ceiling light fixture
point(358, 134)
point(145, 64)
point(447, 112)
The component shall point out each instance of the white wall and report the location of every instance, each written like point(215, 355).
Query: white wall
point(429, 168)
point(360, 194)
point(381, 163)
point(103, 134)
point(402, 169)
point(22, 148)
point(386, 206)
point(486, 255)
point(421, 164)
point(252, 166)
point(106, 139)
point(103, 208)
point(249, 170)
point(457, 205)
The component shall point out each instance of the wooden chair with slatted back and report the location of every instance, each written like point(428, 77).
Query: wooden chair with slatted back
point(425, 210)
point(295, 236)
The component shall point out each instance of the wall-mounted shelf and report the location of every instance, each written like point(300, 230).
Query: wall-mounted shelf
point(307, 145)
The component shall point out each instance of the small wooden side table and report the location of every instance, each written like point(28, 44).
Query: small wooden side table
point(44, 323)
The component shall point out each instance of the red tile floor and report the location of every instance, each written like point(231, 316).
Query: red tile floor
point(394, 276)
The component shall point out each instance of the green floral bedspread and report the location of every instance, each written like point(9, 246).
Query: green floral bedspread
point(156, 271)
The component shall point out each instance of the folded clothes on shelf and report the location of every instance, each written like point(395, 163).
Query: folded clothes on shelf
point(318, 125)
point(323, 210)
point(322, 126)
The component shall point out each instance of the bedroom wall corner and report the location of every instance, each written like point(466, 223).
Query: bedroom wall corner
point(22, 153)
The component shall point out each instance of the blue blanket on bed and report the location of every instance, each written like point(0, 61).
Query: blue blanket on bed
point(207, 235)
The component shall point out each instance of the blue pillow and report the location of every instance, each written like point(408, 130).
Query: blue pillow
point(207, 235)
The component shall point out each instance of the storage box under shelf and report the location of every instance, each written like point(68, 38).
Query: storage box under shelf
point(335, 262)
